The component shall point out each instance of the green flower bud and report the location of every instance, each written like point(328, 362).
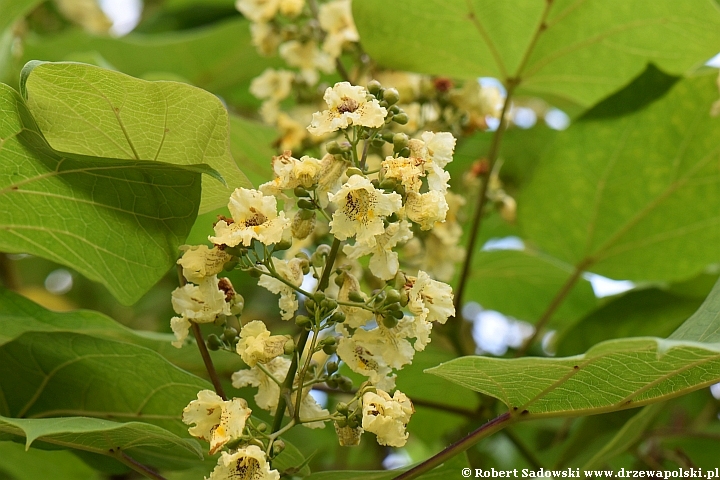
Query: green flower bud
point(388, 184)
point(306, 204)
point(389, 321)
point(213, 342)
point(391, 96)
point(393, 296)
point(394, 110)
point(397, 313)
point(255, 273)
point(344, 383)
point(283, 245)
point(331, 367)
point(355, 296)
point(405, 152)
point(310, 305)
point(380, 298)
point(339, 279)
point(302, 320)
point(278, 446)
point(329, 349)
point(342, 423)
point(262, 427)
point(352, 422)
point(301, 192)
point(289, 346)
point(401, 118)
point(377, 142)
point(331, 382)
point(230, 335)
point(342, 407)
point(333, 148)
point(353, 171)
point(319, 296)
point(400, 141)
point(374, 87)
point(388, 137)
point(337, 317)
point(375, 183)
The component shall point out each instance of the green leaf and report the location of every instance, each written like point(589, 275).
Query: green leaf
point(48, 374)
point(19, 315)
point(34, 464)
point(626, 437)
point(219, 58)
point(145, 443)
point(652, 312)
point(251, 145)
point(12, 11)
point(522, 284)
point(88, 110)
point(634, 197)
point(70, 208)
point(704, 325)
point(569, 51)
point(449, 469)
point(611, 376)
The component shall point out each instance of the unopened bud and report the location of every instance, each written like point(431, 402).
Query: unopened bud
point(342, 407)
point(306, 204)
point(391, 96)
point(388, 184)
point(353, 171)
point(283, 244)
point(329, 349)
point(302, 320)
point(389, 321)
point(355, 296)
point(230, 335)
point(278, 446)
point(302, 227)
point(344, 383)
point(401, 118)
point(393, 296)
point(331, 367)
point(373, 87)
point(289, 346)
point(377, 142)
point(337, 317)
point(301, 192)
point(333, 148)
point(214, 342)
point(400, 141)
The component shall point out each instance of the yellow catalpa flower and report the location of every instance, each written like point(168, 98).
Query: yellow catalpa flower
point(200, 303)
point(247, 463)
point(384, 261)
point(292, 132)
point(256, 345)
point(360, 212)
point(216, 421)
point(308, 58)
point(336, 20)
point(265, 38)
point(387, 417)
point(290, 270)
point(363, 361)
point(268, 390)
point(426, 209)
point(347, 105)
point(407, 171)
point(253, 216)
point(291, 172)
point(199, 262)
point(272, 84)
point(265, 10)
point(429, 299)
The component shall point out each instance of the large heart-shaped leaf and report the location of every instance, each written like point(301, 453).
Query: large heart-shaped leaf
point(117, 222)
point(89, 110)
point(19, 315)
point(48, 374)
point(145, 443)
point(613, 375)
point(204, 56)
point(574, 51)
point(640, 194)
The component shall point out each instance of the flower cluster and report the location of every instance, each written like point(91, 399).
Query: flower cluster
point(279, 235)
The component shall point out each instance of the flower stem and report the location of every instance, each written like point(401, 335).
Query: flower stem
point(203, 348)
point(287, 385)
point(458, 447)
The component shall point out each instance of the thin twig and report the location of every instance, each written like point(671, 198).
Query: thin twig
point(203, 348)
point(554, 305)
point(458, 447)
point(135, 465)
